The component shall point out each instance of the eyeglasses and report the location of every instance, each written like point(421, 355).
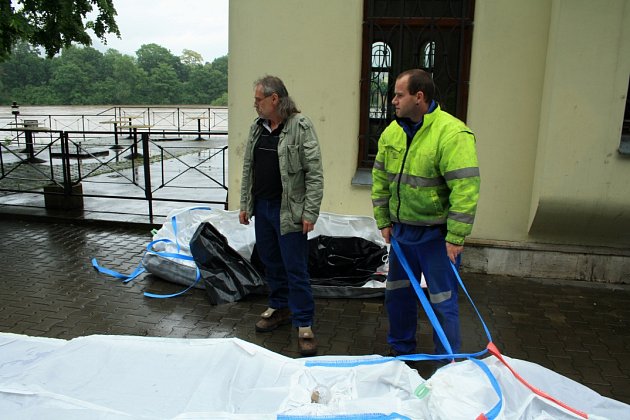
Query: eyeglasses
point(259, 100)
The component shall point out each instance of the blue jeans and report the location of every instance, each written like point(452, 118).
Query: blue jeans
point(285, 258)
point(425, 250)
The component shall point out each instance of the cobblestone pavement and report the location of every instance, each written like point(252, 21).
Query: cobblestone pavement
point(49, 289)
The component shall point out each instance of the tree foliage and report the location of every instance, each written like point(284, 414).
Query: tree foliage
point(85, 76)
point(54, 25)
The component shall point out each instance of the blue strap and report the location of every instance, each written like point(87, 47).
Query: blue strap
point(174, 256)
point(125, 278)
point(483, 323)
point(366, 416)
point(174, 223)
point(150, 250)
point(494, 411)
point(423, 299)
point(140, 269)
point(154, 295)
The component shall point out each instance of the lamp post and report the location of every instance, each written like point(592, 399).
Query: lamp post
point(15, 110)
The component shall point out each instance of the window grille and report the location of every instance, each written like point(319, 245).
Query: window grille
point(624, 145)
point(435, 35)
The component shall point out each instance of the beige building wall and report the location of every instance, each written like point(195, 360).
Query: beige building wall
point(581, 188)
point(315, 48)
point(547, 92)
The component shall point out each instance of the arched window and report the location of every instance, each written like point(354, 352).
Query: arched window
point(402, 34)
point(379, 79)
point(427, 58)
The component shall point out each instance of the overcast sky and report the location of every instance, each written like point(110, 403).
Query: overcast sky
point(198, 25)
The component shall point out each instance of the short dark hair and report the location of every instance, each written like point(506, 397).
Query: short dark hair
point(419, 80)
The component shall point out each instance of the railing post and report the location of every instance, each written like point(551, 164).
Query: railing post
point(147, 174)
point(68, 196)
point(65, 163)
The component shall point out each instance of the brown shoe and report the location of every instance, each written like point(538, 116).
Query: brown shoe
point(306, 341)
point(272, 319)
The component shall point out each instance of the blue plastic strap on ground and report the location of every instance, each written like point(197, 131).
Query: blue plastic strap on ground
point(125, 278)
point(366, 416)
point(423, 299)
point(140, 269)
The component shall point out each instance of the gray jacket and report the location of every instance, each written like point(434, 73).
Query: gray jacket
point(301, 173)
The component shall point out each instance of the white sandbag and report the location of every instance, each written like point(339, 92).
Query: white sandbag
point(181, 224)
point(122, 377)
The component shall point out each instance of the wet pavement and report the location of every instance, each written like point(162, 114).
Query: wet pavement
point(50, 289)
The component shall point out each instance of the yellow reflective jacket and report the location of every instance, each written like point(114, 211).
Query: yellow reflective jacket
point(434, 180)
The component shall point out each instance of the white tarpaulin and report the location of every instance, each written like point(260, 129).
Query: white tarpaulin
point(181, 224)
point(126, 377)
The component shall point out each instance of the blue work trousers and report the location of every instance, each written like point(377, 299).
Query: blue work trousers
point(424, 248)
point(285, 258)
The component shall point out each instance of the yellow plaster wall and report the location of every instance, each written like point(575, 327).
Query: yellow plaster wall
point(581, 188)
point(548, 84)
point(315, 48)
point(507, 73)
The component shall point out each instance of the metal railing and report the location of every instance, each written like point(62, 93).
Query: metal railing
point(148, 167)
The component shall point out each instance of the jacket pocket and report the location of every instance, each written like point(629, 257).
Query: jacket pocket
point(394, 152)
point(296, 206)
point(293, 159)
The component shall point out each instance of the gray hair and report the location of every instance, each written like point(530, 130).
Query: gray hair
point(273, 84)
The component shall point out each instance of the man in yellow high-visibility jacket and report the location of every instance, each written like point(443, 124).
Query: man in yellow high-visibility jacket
point(424, 193)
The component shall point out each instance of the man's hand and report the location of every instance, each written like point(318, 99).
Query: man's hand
point(307, 226)
point(386, 232)
point(242, 217)
point(453, 251)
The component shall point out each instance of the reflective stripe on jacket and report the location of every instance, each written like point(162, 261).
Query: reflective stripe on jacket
point(435, 180)
point(301, 173)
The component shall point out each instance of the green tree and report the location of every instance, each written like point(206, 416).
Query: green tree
point(151, 56)
point(76, 73)
point(190, 58)
point(221, 100)
point(85, 76)
point(221, 65)
point(163, 86)
point(54, 25)
point(125, 81)
point(24, 68)
point(204, 84)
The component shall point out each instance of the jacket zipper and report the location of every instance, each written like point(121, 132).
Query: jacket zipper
point(402, 167)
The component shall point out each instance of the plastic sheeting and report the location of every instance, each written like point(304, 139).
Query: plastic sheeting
point(123, 377)
point(228, 277)
point(181, 225)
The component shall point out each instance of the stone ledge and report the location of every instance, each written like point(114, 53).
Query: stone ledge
point(592, 264)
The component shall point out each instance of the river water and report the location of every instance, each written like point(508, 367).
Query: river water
point(100, 118)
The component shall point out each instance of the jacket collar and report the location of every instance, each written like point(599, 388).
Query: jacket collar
point(411, 128)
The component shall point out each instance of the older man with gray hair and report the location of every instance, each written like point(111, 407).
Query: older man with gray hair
point(283, 186)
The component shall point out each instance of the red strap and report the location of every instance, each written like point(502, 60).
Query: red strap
point(496, 353)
